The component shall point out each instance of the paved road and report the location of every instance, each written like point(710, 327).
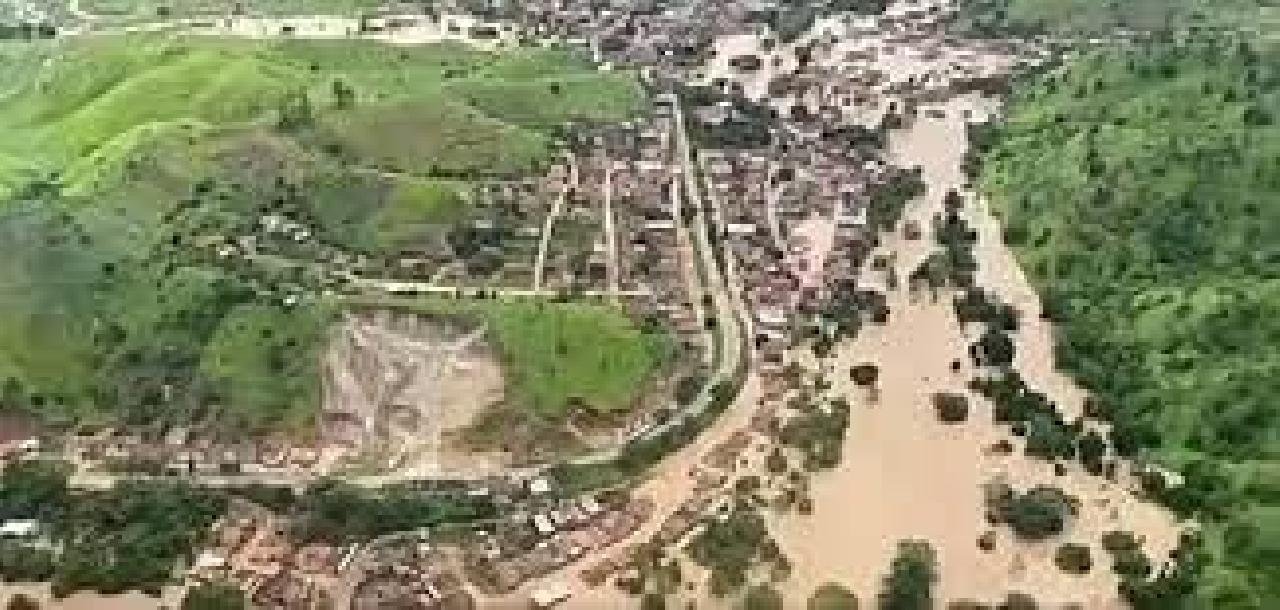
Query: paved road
point(610, 233)
point(398, 287)
point(557, 208)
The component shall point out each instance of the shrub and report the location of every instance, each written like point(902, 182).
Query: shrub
point(762, 597)
point(1073, 558)
point(21, 601)
point(832, 596)
point(864, 374)
point(967, 604)
point(1039, 513)
point(653, 601)
point(951, 408)
point(1018, 601)
point(909, 585)
point(214, 596)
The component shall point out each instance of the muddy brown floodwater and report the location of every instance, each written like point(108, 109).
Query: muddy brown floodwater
point(89, 601)
point(906, 475)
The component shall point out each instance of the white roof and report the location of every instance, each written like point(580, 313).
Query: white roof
point(550, 595)
point(209, 560)
point(542, 523)
point(771, 316)
point(539, 486)
point(19, 528)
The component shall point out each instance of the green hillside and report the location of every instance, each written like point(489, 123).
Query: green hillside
point(1097, 17)
point(129, 166)
point(437, 109)
point(196, 8)
point(1138, 186)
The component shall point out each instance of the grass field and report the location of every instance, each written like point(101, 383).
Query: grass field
point(1138, 187)
point(560, 356)
point(124, 158)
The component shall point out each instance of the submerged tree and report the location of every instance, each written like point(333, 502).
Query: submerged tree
point(909, 584)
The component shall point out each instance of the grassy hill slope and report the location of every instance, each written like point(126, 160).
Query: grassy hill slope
point(130, 163)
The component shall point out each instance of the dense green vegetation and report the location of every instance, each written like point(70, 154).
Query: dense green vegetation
point(1138, 184)
point(1036, 514)
point(997, 17)
point(337, 513)
point(135, 535)
point(730, 546)
point(129, 537)
point(762, 597)
point(214, 596)
point(817, 431)
point(132, 169)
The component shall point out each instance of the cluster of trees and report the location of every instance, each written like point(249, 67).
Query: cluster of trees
point(889, 198)
point(1034, 416)
point(336, 512)
point(911, 579)
point(818, 432)
point(133, 536)
point(1038, 513)
point(27, 31)
point(128, 537)
point(655, 576)
point(848, 309)
point(749, 124)
point(215, 596)
point(954, 265)
point(731, 546)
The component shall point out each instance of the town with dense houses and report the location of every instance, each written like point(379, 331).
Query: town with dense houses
point(579, 304)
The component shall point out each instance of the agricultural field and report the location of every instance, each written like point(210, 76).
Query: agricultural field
point(173, 209)
point(1138, 187)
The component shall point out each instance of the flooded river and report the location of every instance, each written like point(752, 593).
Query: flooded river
point(906, 475)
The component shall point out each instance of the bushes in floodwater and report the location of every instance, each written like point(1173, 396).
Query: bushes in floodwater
point(1036, 514)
